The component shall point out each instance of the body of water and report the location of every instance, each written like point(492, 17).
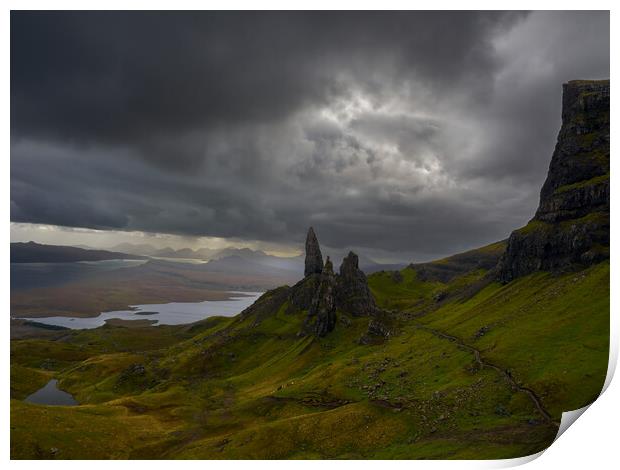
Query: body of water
point(34, 275)
point(50, 394)
point(173, 313)
point(180, 260)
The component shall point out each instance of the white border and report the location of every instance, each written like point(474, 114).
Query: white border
point(592, 442)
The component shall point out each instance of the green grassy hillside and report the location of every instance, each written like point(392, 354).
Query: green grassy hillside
point(474, 369)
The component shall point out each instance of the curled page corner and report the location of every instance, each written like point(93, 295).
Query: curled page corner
point(518, 461)
point(568, 418)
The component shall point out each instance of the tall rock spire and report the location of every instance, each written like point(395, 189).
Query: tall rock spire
point(314, 259)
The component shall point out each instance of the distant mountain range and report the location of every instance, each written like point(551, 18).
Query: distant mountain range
point(231, 257)
point(145, 249)
point(227, 261)
point(32, 252)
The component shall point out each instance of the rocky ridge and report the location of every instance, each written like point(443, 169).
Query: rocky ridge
point(571, 225)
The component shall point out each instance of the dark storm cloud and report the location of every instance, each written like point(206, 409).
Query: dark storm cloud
point(425, 132)
point(137, 77)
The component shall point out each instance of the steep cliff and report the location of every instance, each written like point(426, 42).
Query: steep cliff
point(571, 225)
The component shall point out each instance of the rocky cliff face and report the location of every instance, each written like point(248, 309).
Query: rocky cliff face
point(322, 313)
point(571, 225)
point(302, 293)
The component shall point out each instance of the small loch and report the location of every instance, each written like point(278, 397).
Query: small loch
point(50, 394)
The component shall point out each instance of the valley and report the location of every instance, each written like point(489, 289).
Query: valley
point(225, 388)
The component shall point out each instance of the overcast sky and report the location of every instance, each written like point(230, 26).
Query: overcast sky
point(405, 135)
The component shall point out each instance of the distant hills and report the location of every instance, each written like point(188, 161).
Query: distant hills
point(32, 252)
point(145, 249)
point(159, 278)
point(227, 260)
point(232, 257)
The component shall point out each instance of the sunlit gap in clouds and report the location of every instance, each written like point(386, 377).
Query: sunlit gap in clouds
point(109, 239)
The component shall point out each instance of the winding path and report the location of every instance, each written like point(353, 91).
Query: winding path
point(528, 391)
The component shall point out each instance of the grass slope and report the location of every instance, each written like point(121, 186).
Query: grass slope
point(250, 387)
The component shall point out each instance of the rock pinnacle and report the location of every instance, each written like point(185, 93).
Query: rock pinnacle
point(314, 259)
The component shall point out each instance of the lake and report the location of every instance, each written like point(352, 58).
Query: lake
point(50, 394)
point(173, 313)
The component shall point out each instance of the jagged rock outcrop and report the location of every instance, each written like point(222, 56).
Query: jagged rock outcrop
point(322, 313)
point(303, 292)
point(322, 292)
point(326, 297)
point(352, 292)
point(314, 259)
point(571, 225)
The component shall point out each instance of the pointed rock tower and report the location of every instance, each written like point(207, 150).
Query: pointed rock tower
point(303, 292)
point(314, 259)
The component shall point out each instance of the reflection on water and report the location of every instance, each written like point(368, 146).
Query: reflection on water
point(51, 395)
point(174, 313)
